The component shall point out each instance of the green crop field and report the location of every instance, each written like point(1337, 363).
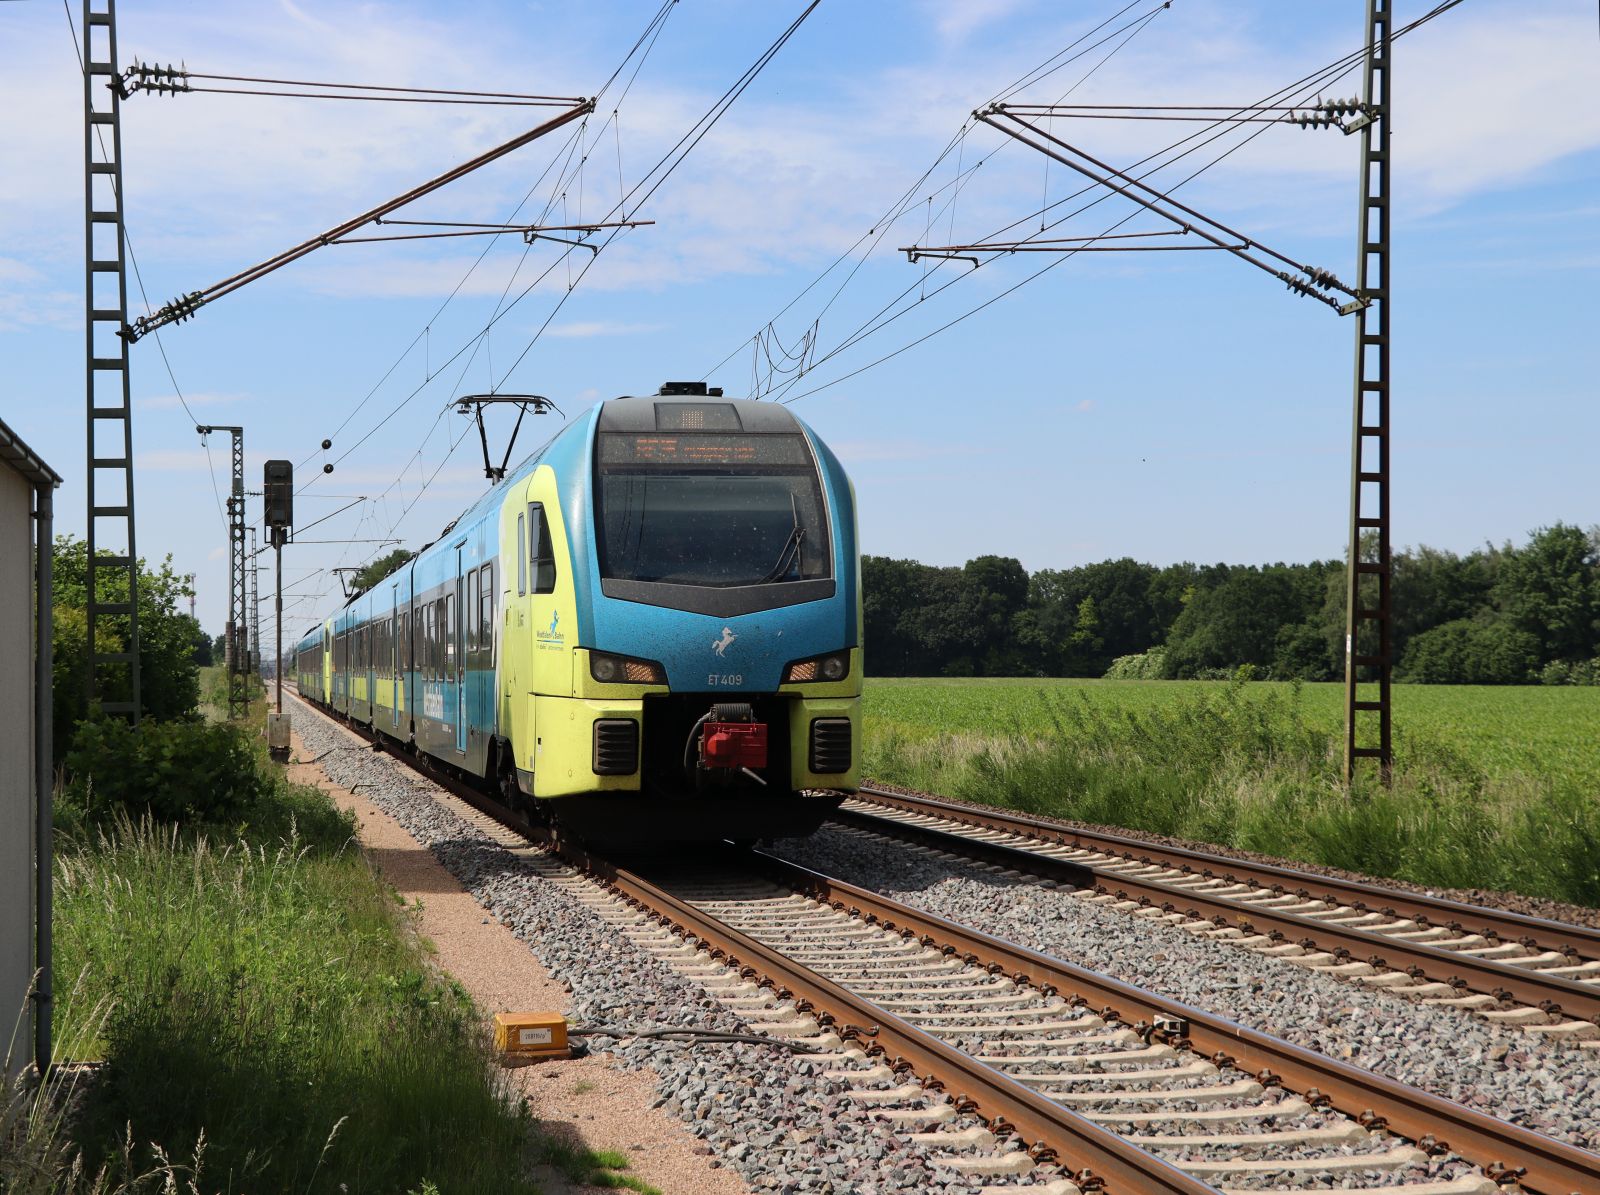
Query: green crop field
point(1550, 729)
point(1494, 786)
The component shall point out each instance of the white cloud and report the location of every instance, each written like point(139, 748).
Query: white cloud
point(582, 329)
point(13, 271)
point(956, 20)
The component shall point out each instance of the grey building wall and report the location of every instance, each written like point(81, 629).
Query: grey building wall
point(16, 766)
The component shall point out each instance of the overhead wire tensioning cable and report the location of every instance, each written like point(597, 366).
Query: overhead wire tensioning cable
point(883, 317)
point(1321, 78)
point(874, 235)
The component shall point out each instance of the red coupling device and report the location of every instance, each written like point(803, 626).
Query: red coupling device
point(734, 745)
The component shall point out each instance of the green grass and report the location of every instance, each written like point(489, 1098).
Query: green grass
point(593, 1167)
point(274, 999)
point(1494, 787)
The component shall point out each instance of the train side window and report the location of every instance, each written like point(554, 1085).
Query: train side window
point(427, 638)
point(449, 636)
point(541, 555)
point(486, 609)
point(470, 614)
point(522, 554)
point(438, 640)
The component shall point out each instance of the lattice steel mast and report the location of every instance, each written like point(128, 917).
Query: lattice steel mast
point(238, 631)
point(1369, 612)
point(112, 579)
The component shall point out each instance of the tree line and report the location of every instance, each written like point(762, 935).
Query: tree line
point(1498, 615)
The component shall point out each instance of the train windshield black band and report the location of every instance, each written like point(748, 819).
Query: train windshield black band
point(710, 510)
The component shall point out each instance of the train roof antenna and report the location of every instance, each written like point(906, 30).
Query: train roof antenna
point(474, 404)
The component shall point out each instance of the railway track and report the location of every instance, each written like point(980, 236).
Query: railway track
point(1542, 976)
point(1006, 1063)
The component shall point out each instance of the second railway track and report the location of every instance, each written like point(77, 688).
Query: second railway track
point(1543, 976)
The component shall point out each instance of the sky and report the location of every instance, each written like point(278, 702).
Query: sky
point(1167, 407)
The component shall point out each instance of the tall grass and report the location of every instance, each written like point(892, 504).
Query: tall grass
point(1232, 765)
point(268, 1011)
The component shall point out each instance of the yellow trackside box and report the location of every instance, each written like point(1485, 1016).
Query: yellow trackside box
point(529, 1035)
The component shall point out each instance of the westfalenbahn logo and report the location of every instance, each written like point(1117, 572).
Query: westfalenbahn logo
point(720, 646)
point(552, 633)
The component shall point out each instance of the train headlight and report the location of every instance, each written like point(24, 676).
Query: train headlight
point(834, 666)
point(610, 669)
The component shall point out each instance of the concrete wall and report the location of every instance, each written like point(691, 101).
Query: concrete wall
point(16, 764)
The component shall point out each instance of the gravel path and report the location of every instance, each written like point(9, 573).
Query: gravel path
point(1551, 1088)
point(773, 1117)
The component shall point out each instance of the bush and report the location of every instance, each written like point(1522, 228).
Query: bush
point(183, 771)
point(1147, 665)
point(1576, 672)
point(1471, 652)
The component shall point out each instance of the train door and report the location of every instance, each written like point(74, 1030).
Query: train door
point(456, 656)
point(339, 681)
point(548, 612)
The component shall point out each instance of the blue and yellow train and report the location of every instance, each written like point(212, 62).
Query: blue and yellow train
point(649, 632)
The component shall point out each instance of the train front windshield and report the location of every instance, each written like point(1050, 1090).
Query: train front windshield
point(710, 509)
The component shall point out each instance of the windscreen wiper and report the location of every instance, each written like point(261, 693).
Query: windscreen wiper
point(789, 555)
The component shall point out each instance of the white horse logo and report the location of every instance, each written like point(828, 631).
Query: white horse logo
point(720, 646)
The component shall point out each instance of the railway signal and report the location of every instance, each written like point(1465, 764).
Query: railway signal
point(277, 489)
